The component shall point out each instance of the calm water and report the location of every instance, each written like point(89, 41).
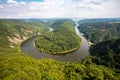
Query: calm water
point(28, 48)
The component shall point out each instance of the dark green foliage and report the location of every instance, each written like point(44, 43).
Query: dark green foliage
point(100, 31)
point(62, 38)
point(107, 53)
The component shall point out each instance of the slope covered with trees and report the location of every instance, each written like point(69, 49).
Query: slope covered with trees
point(16, 31)
point(62, 39)
point(59, 22)
point(107, 53)
point(100, 30)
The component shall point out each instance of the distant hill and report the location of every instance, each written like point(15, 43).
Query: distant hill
point(59, 22)
point(99, 20)
point(47, 21)
point(97, 31)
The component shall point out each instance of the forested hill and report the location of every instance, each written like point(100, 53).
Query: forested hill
point(94, 20)
point(15, 31)
point(100, 31)
point(59, 22)
point(107, 53)
point(48, 21)
point(62, 39)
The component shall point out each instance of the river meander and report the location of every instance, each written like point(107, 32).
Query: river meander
point(83, 51)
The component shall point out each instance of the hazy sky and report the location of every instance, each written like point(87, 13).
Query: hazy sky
point(59, 8)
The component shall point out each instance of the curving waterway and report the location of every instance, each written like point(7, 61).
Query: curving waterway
point(28, 48)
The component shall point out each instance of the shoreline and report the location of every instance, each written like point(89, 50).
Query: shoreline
point(89, 42)
point(56, 53)
point(53, 53)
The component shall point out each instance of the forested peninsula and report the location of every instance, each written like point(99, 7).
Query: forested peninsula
point(62, 39)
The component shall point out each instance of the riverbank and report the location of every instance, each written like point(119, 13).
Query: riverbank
point(56, 53)
point(90, 43)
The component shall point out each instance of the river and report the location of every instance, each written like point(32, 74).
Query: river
point(83, 51)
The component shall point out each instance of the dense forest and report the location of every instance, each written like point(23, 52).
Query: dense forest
point(61, 40)
point(103, 64)
point(100, 30)
point(16, 66)
point(59, 22)
point(107, 53)
point(16, 31)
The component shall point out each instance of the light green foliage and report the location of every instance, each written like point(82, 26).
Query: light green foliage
point(20, 67)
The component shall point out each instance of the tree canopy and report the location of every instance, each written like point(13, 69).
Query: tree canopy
point(61, 40)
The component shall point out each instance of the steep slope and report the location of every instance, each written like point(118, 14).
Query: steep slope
point(107, 53)
point(100, 31)
point(15, 31)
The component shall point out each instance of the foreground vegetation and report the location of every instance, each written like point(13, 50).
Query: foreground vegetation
point(62, 39)
point(14, 65)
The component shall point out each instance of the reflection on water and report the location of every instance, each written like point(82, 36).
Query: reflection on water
point(28, 48)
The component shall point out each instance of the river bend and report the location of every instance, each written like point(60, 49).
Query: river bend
point(83, 51)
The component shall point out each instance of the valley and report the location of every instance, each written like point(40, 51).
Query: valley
point(21, 60)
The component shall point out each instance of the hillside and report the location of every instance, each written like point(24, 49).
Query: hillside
point(107, 53)
point(62, 39)
point(59, 22)
point(14, 31)
point(100, 31)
